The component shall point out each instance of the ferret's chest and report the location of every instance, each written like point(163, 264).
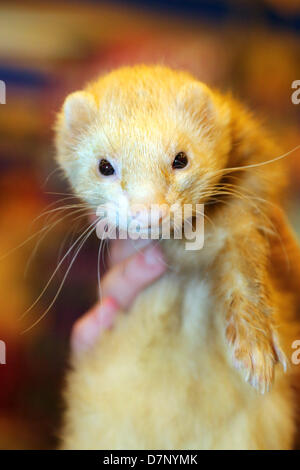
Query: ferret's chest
point(161, 378)
point(162, 360)
point(178, 315)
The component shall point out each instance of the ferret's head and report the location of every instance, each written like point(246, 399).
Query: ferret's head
point(143, 135)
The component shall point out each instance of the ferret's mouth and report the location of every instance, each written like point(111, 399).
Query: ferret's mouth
point(151, 232)
point(162, 225)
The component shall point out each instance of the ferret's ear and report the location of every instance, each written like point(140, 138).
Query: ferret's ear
point(79, 109)
point(197, 99)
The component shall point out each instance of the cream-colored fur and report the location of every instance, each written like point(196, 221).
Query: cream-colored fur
point(162, 380)
point(176, 370)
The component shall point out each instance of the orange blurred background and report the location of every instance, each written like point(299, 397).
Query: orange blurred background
point(48, 49)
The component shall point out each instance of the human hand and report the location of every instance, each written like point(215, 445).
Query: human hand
point(130, 271)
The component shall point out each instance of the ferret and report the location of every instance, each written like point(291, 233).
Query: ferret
point(202, 360)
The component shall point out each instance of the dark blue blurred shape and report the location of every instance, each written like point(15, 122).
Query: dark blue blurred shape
point(219, 10)
point(28, 78)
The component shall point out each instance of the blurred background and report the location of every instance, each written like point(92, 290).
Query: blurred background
point(48, 49)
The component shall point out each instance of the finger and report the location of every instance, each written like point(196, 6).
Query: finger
point(89, 327)
point(126, 279)
point(120, 249)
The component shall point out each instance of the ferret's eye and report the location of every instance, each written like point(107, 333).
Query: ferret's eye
point(180, 161)
point(105, 167)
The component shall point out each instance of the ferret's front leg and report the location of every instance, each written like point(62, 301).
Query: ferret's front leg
point(249, 323)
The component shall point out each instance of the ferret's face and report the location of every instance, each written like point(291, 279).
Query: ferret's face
point(141, 137)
